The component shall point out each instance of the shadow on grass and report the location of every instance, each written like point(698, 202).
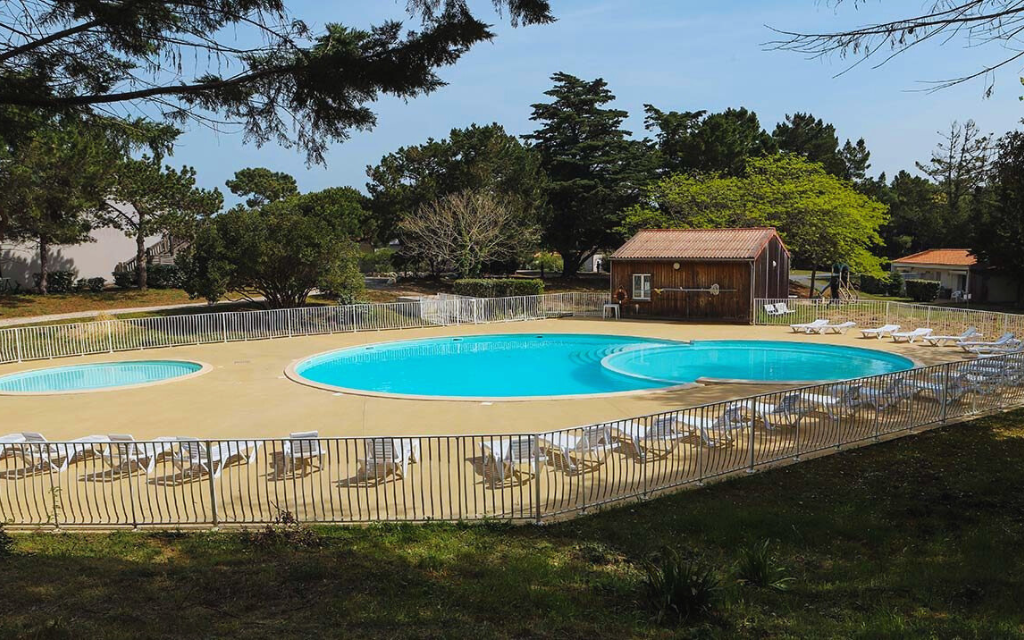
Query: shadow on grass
point(919, 537)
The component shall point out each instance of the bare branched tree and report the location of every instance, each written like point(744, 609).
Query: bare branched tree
point(977, 22)
point(465, 231)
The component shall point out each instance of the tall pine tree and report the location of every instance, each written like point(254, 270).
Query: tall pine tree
point(594, 170)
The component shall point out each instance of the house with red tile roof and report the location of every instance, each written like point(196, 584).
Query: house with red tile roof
point(959, 272)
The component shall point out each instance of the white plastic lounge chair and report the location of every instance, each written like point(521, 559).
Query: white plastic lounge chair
point(388, 456)
point(880, 332)
point(958, 387)
point(1011, 346)
point(505, 457)
point(125, 454)
point(8, 442)
point(808, 327)
point(1002, 341)
point(910, 336)
point(887, 396)
point(972, 333)
point(302, 451)
point(835, 402)
point(715, 431)
point(79, 449)
point(192, 458)
point(788, 411)
point(38, 453)
point(576, 450)
point(840, 328)
point(640, 435)
point(771, 310)
point(783, 310)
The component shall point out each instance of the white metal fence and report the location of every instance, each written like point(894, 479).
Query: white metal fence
point(61, 340)
point(180, 481)
point(873, 313)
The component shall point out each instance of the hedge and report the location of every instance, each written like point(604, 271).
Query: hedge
point(158, 276)
point(889, 284)
point(498, 288)
point(58, 281)
point(923, 290)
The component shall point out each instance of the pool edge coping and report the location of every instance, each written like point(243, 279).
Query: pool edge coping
point(204, 368)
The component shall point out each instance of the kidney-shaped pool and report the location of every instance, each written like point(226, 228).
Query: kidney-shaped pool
point(527, 366)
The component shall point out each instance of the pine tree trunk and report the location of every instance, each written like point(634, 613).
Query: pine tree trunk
point(814, 273)
point(140, 260)
point(44, 263)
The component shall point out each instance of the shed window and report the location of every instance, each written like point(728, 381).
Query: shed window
point(641, 286)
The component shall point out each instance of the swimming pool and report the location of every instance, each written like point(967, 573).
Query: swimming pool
point(529, 366)
point(98, 377)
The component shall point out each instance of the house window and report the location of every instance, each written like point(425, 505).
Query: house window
point(641, 286)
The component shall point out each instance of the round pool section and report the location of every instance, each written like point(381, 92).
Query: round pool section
point(101, 376)
point(528, 366)
point(488, 367)
point(754, 361)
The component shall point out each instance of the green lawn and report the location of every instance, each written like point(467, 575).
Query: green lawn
point(917, 538)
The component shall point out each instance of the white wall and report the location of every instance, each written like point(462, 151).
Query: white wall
point(90, 259)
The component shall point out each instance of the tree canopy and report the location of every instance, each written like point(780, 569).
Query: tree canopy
point(282, 250)
point(696, 141)
point(262, 186)
point(475, 158)
point(146, 199)
point(250, 63)
point(816, 140)
point(998, 238)
point(822, 218)
point(594, 170)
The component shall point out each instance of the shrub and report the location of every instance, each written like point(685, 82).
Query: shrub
point(878, 285)
point(676, 589)
point(759, 567)
point(58, 281)
point(923, 290)
point(498, 288)
point(896, 285)
point(547, 261)
point(162, 276)
point(92, 285)
point(284, 531)
point(379, 261)
point(124, 279)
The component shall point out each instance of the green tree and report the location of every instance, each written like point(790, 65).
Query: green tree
point(999, 238)
point(814, 139)
point(915, 216)
point(594, 170)
point(477, 158)
point(822, 218)
point(52, 180)
point(959, 166)
point(147, 199)
point(284, 82)
point(695, 141)
point(262, 186)
point(282, 250)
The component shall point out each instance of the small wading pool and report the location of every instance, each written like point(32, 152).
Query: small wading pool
point(98, 377)
point(528, 366)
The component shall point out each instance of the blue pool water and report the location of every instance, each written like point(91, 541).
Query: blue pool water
point(528, 365)
point(105, 375)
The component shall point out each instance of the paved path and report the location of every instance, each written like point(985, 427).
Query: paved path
point(10, 322)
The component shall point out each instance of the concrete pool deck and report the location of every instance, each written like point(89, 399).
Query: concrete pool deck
point(247, 395)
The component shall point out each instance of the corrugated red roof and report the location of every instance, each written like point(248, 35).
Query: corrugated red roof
point(695, 244)
point(947, 257)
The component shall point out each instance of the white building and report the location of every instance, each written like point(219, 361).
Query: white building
point(95, 259)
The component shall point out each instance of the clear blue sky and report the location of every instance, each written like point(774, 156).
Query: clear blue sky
point(679, 55)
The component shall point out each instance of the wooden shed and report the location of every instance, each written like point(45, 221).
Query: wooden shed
point(699, 274)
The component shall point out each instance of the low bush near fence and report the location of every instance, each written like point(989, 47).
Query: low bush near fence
point(498, 288)
point(92, 285)
point(923, 290)
point(59, 281)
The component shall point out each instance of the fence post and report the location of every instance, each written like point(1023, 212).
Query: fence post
point(17, 342)
point(750, 446)
point(945, 392)
point(536, 479)
point(476, 311)
point(110, 336)
point(224, 326)
point(213, 486)
point(289, 315)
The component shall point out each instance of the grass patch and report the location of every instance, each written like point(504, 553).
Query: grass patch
point(915, 538)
